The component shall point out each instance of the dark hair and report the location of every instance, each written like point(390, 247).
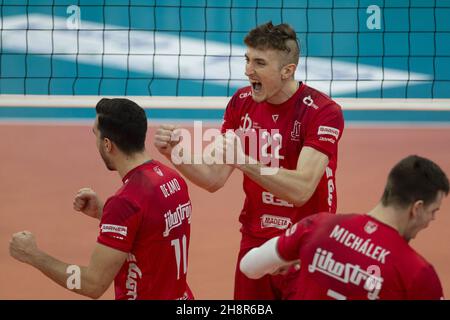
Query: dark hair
point(123, 122)
point(280, 37)
point(414, 178)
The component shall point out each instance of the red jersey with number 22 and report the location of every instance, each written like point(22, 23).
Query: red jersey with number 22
point(354, 256)
point(149, 218)
point(307, 119)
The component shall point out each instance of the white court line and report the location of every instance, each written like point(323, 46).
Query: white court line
point(65, 101)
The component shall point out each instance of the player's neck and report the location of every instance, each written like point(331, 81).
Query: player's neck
point(389, 216)
point(128, 162)
point(286, 92)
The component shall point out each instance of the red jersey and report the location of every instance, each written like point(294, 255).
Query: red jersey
point(307, 119)
point(149, 218)
point(354, 256)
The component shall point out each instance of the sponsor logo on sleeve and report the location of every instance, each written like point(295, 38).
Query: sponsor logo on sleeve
point(324, 130)
point(112, 228)
point(330, 140)
point(310, 102)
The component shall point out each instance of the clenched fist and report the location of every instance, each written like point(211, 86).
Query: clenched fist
point(166, 137)
point(87, 201)
point(23, 246)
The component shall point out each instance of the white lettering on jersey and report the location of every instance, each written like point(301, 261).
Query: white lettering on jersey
point(274, 141)
point(169, 188)
point(176, 218)
point(331, 188)
point(323, 262)
point(245, 95)
point(134, 274)
point(270, 221)
point(330, 140)
point(324, 130)
point(358, 244)
point(269, 198)
point(112, 228)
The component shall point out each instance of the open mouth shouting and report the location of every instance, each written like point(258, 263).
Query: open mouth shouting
point(256, 86)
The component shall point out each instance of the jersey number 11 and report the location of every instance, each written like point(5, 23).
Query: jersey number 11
point(180, 247)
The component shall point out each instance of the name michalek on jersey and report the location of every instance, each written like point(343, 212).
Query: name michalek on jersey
point(226, 309)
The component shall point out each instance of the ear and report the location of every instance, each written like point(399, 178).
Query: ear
point(108, 144)
point(288, 71)
point(416, 208)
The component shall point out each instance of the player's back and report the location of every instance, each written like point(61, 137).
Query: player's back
point(159, 230)
point(354, 256)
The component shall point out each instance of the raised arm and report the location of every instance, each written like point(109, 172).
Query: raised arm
point(94, 279)
point(210, 177)
point(295, 186)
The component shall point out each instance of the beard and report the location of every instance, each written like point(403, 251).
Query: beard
point(106, 160)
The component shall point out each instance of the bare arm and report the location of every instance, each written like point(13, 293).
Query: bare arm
point(94, 279)
point(295, 186)
point(210, 177)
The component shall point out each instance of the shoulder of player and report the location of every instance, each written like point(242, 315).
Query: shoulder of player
point(240, 96)
point(120, 202)
point(318, 100)
point(318, 219)
point(407, 258)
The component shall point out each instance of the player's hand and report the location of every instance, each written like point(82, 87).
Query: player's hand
point(287, 268)
point(87, 201)
point(165, 139)
point(229, 148)
point(23, 246)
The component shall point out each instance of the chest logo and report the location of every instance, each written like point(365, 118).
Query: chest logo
point(246, 123)
point(295, 133)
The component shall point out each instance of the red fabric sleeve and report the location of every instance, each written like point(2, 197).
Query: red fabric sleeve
point(426, 286)
point(228, 117)
point(119, 224)
point(288, 245)
point(325, 130)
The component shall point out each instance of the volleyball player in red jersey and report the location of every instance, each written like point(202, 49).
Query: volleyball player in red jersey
point(363, 256)
point(298, 130)
point(144, 227)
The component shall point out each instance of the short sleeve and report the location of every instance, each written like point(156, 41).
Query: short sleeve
point(119, 224)
point(288, 245)
point(325, 130)
point(228, 117)
point(426, 286)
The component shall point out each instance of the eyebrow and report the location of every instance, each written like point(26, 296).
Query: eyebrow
point(256, 59)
